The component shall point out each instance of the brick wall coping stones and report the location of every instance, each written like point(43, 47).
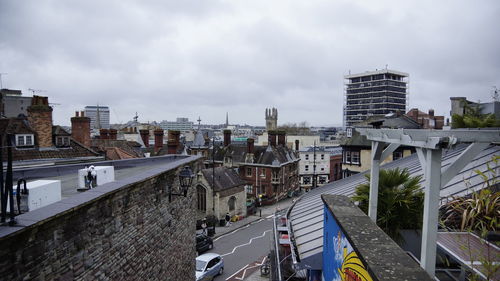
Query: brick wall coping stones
point(384, 259)
point(37, 217)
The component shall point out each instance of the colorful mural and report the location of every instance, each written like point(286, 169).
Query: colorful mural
point(340, 261)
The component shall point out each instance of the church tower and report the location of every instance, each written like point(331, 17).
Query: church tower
point(271, 119)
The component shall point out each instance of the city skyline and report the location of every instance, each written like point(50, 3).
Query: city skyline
point(187, 59)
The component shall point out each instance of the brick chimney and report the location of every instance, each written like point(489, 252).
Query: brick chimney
point(227, 137)
point(250, 145)
point(159, 139)
point(104, 134)
point(173, 141)
point(40, 119)
point(145, 137)
point(297, 145)
point(271, 137)
point(281, 138)
point(113, 134)
point(80, 128)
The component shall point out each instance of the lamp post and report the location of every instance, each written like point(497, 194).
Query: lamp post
point(185, 180)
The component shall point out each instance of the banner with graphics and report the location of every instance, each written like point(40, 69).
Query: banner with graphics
point(340, 261)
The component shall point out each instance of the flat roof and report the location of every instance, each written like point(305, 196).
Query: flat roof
point(381, 71)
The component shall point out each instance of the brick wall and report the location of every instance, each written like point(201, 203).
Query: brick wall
point(124, 230)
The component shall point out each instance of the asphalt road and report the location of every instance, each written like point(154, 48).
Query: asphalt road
point(243, 246)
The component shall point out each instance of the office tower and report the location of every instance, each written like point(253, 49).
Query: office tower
point(374, 93)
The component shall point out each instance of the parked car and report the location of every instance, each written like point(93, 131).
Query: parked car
point(203, 243)
point(208, 266)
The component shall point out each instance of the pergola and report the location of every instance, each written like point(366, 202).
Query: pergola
point(429, 145)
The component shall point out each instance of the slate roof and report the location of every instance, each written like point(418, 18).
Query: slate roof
point(15, 126)
point(306, 216)
point(264, 155)
point(59, 131)
point(128, 147)
point(21, 126)
point(225, 178)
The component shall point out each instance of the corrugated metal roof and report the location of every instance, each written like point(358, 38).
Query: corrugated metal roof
point(306, 216)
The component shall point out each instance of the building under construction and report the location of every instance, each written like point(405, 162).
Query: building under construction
point(374, 93)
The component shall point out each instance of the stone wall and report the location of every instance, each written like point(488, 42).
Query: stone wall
point(124, 230)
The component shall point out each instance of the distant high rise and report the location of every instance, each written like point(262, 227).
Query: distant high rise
point(182, 124)
point(374, 93)
point(99, 116)
point(271, 118)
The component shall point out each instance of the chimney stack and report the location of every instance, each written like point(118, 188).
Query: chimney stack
point(431, 112)
point(173, 141)
point(158, 139)
point(271, 137)
point(113, 133)
point(80, 128)
point(145, 137)
point(40, 119)
point(227, 137)
point(297, 145)
point(281, 138)
point(250, 145)
point(104, 134)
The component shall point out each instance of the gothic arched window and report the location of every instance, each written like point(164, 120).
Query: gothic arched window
point(201, 196)
point(231, 203)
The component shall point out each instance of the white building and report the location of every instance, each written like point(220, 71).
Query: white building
point(181, 124)
point(100, 113)
point(314, 161)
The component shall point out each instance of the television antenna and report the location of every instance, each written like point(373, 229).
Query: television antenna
point(36, 91)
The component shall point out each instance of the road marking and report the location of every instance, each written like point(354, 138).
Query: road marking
point(237, 272)
point(238, 229)
point(246, 244)
point(249, 268)
point(270, 216)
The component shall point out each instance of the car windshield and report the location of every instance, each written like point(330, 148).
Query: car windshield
point(200, 265)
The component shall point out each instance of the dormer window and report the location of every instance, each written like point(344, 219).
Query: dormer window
point(24, 140)
point(62, 141)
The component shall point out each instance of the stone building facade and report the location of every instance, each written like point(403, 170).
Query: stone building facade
point(125, 230)
point(225, 194)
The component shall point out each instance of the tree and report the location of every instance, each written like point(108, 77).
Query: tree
point(473, 118)
point(400, 201)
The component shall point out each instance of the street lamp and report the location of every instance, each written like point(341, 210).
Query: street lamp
point(185, 179)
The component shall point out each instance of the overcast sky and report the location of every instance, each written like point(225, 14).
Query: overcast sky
point(167, 59)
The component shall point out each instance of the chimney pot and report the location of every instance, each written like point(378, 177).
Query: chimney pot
point(272, 137)
point(297, 145)
point(77, 113)
point(145, 137)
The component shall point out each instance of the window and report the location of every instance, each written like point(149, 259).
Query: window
point(348, 157)
point(263, 172)
point(322, 180)
point(322, 157)
point(306, 167)
point(275, 176)
point(397, 155)
point(231, 203)
point(322, 168)
point(62, 141)
point(306, 180)
point(24, 140)
point(249, 172)
point(201, 196)
point(355, 157)
point(249, 189)
point(307, 156)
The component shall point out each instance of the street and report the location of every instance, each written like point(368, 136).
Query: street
point(243, 247)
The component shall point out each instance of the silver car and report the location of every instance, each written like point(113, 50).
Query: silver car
point(208, 266)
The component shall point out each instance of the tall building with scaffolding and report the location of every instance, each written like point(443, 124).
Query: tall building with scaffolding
point(374, 93)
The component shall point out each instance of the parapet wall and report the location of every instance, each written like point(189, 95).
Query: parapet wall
point(124, 230)
point(355, 247)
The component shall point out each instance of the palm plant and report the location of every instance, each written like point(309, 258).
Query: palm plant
point(400, 201)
